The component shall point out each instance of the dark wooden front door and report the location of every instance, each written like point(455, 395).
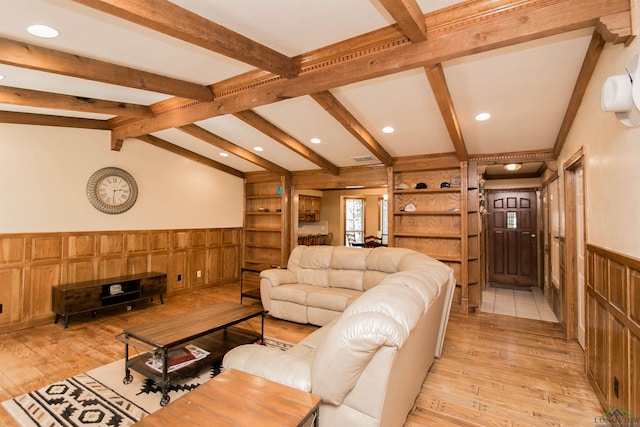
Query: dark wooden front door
point(512, 238)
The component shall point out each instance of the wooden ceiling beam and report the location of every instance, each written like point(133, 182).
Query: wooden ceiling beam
point(175, 149)
point(35, 98)
point(584, 77)
point(617, 28)
point(409, 18)
point(223, 144)
point(460, 38)
point(24, 55)
point(258, 122)
point(445, 104)
point(339, 112)
point(369, 176)
point(175, 21)
point(50, 120)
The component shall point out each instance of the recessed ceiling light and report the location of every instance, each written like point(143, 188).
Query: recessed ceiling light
point(315, 140)
point(258, 149)
point(388, 129)
point(1, 77)
point(43, 31)
point(483, 116)
point(512, 167)
point(223, 154)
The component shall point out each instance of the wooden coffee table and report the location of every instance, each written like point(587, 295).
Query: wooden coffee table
point(209, 328)
point(235, 398)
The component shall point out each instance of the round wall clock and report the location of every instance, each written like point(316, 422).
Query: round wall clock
point(112, 190)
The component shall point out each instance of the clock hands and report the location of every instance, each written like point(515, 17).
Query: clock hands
point(114, 195)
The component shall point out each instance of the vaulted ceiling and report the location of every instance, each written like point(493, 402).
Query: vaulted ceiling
point(205, 77)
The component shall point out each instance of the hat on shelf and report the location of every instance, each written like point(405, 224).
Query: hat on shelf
point(402, 186)
point(421, 185)
point(115, 289)
point(410, 208)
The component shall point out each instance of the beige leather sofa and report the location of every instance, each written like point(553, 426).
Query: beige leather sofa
point(320, 282)
point(369, 362)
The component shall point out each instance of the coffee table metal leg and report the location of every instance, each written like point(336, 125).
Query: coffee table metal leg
point(264, 314)
point(165, 378)
point(128, 378)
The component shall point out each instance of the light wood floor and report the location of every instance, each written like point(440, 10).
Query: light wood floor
point(495, 370)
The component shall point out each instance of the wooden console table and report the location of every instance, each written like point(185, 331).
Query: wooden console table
point(94, 295)
point(235, 398)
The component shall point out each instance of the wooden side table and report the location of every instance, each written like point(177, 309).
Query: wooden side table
point(235, 398)
point(252, 293)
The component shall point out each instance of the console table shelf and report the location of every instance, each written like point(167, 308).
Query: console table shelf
point(91, 296)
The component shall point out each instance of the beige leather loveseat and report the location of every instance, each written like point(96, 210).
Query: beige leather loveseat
point(369, 362)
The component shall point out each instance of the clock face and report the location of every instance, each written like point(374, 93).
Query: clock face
point(112, 190)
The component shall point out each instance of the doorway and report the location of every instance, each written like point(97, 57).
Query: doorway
point(574, 283)
point(513, 251)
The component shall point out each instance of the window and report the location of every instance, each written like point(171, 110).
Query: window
point(354, 221)
point(512, 220)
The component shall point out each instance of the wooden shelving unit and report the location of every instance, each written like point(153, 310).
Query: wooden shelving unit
point(445, 223)
point(266, 222)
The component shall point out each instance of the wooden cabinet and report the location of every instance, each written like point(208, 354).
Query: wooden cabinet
point(94, 295)
point(266, 239)
point(440, 220)
point(308, 208)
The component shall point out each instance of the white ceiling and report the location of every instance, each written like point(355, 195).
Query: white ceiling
point(526, 88)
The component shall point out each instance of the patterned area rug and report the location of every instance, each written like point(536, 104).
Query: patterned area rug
point(99, 398)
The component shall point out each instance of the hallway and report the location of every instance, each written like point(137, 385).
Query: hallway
point(527, 304)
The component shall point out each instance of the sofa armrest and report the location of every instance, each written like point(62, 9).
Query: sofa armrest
point(270, 363)
point(271, 278)
point(278, 276)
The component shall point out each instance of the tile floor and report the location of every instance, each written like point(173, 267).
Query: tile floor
point(518, 303)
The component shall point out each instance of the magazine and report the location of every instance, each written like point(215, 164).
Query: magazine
point(177, 358)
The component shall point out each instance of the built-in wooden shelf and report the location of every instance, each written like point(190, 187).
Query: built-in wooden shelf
point(444, 224)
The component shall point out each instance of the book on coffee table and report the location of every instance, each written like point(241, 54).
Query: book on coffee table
point(178, 358)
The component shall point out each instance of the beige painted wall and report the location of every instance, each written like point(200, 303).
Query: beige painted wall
point(44, 172)
point(612, 166)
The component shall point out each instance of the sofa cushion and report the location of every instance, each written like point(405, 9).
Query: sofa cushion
point(295, 293)
point(386, 259)
point(346, 350)
point(401, 303)
point(316, 257)
point(347, 258)
point(348, 279)
point(285, 367)
point(310, 276)
point(372, 278)
point(335, 299)
point(423, 285)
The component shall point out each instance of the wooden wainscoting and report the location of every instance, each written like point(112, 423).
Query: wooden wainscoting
point(31, 264)
point(613, 328)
